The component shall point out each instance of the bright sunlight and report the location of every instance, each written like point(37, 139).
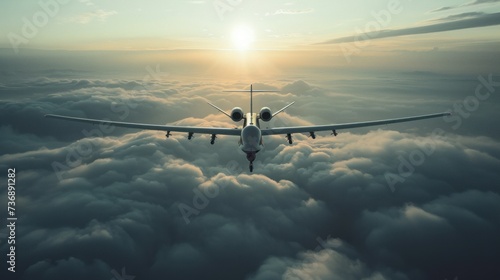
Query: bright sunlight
point(242, 37)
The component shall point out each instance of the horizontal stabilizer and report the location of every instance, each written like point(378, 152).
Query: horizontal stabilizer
point(255, 90)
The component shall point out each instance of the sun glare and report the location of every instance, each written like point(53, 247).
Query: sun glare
point(242, 37)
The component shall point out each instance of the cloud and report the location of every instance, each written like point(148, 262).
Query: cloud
point(293, 12)
point(442, 9)
point(125, 202)
point(445, 221)
point(317, 209)
point(335, 260)
point(471, 21)
point(461, 16)
point(87, 2)
point(101, 15)
point(476, 2)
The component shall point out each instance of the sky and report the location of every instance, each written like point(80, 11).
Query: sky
point(417, 200)
point(77, 25)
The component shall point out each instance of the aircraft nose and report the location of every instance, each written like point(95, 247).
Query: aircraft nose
point(250, 137)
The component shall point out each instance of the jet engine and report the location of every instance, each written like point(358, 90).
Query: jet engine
point(237, 114)
point(265, 114)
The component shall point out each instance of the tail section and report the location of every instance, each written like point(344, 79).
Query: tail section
point(251, 97)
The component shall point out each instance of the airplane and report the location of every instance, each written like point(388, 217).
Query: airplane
point(250, 134)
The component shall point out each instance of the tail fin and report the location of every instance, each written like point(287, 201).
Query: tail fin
point(251, 99)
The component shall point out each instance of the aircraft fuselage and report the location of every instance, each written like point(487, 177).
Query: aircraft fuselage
point(251, 137)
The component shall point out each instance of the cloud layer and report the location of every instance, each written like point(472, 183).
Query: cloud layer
point(317, 209)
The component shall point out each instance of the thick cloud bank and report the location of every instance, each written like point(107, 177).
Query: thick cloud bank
point(394, 202)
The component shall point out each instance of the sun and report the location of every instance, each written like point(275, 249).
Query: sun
point(242, 37)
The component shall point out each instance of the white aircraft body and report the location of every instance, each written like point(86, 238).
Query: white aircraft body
point(250, 134)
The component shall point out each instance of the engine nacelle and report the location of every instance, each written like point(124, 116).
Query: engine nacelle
point(265, 114)
point(236, 114)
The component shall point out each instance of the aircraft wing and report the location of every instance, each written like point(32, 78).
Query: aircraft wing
point(314, 128)
point(188, 129)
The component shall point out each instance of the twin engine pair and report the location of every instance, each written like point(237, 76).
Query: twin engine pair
point(264, 114)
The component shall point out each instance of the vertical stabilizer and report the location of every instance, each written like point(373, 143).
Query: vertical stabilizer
point(251, 100)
